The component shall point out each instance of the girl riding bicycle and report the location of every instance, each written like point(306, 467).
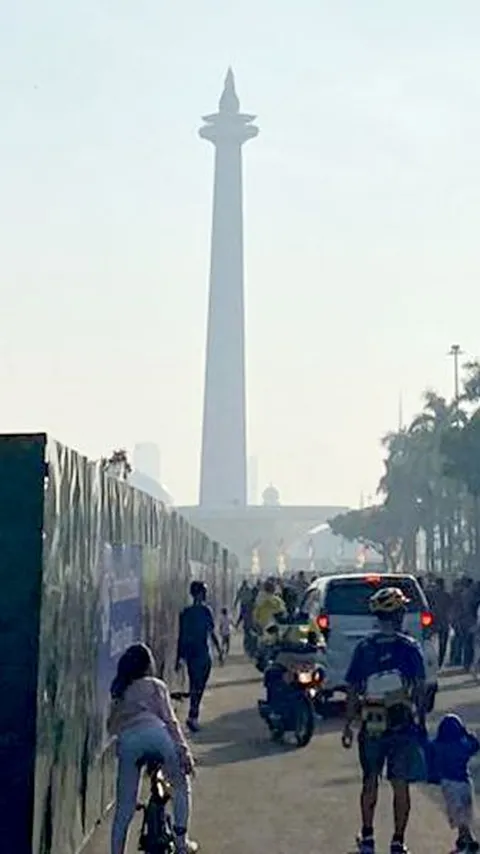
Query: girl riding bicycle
point(144, 722)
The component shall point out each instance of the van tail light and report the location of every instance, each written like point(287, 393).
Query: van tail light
point(426, 620)
point(323, 622)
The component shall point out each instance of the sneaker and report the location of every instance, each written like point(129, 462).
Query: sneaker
point(193, 725)
point(465, 846)
point(398, 847)
point(186, 846)
point(366, 844)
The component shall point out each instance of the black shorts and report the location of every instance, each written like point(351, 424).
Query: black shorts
point(400, 752)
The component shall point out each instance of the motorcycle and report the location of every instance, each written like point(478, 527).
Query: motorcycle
point(294, 690)
point(262, 656)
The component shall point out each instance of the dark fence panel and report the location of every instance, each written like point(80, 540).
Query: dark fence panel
point(116, 567)
point(21, 521)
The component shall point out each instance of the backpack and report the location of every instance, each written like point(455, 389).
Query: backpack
point(386, 703)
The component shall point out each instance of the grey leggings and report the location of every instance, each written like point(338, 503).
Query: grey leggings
point(132, 746)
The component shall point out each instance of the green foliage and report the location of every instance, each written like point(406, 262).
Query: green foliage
point(430, 486)
point(373, 527)
point(461, 450)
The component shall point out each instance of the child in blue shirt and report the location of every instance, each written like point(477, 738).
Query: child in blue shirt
point(453, 748)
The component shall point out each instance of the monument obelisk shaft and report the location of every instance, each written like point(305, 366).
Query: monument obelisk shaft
point(223, 479)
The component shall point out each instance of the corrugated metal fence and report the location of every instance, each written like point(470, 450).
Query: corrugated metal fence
point(87, 564)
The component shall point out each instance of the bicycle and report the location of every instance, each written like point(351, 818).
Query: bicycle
point(156, 832)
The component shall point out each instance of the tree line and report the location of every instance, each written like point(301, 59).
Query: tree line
point(429, 491)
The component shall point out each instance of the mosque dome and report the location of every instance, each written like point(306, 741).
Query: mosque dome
point(271, 496)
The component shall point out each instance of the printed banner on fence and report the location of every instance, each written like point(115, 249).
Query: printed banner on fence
point(120, 612)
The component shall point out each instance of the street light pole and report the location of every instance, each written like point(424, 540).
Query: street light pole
point(455, 351)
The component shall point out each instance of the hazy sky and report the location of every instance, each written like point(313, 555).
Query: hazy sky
point(361, 213)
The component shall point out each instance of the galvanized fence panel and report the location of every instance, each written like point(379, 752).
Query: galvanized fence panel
point(116, 567)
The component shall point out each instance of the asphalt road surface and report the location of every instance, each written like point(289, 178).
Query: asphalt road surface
point(252, 796)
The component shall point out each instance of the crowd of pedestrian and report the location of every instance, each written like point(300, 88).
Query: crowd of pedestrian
point(456, 619)
point(143, 721)
point(290, 589)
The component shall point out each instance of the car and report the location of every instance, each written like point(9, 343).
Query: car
point(338, 606)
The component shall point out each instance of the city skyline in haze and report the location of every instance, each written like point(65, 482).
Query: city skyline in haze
point(361, 211)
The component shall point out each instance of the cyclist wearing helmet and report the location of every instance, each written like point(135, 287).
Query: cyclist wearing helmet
point(386, 679)
point(197, 627)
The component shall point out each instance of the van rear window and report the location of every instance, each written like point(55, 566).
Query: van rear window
point(351, 598)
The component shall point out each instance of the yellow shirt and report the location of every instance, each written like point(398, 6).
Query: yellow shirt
point(268, 604)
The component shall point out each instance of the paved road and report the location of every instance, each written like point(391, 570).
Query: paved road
point(252, 796)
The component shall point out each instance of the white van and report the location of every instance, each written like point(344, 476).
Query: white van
point(339, 606)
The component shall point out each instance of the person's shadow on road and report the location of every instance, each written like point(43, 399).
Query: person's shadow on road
point(241, 735)
point(237, 736)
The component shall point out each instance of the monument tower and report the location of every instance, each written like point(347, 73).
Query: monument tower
point(223, 479)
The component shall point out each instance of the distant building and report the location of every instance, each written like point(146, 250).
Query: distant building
point(146, 459)
point(146, 472)
point(271, 496)
point(321, 551)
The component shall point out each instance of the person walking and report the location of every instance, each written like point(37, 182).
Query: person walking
point(386, 680)
point(453, 748)
point(197, 629)
point(456, 610)
point(441, 605)
point(225, 630)
point(244, 602)
point(468, 623)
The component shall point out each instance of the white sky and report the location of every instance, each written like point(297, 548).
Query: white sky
point(362, 212)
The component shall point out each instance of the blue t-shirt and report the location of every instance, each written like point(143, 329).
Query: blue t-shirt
point(196, 626)
point(451, 758)
point(379, 653)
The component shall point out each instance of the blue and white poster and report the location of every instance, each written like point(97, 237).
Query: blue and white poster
point(120, 617)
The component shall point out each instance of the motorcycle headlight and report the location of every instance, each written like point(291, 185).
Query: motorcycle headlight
point(304, 677)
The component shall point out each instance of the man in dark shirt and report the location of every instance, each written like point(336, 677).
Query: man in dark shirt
point(388, 735)
point(197, 627)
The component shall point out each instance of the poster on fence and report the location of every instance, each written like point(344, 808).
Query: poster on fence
point(120, 615)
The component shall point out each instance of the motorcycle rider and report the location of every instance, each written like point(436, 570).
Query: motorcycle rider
point(197, 627)
point(268, 605)
point(290, 598)
point(290, 648)
point(386, 679)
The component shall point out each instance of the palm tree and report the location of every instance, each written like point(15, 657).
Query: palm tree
point(440, 498)
point(461, 448)
point(430, 484)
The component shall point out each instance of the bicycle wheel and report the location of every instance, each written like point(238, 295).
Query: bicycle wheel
point(156, 836)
